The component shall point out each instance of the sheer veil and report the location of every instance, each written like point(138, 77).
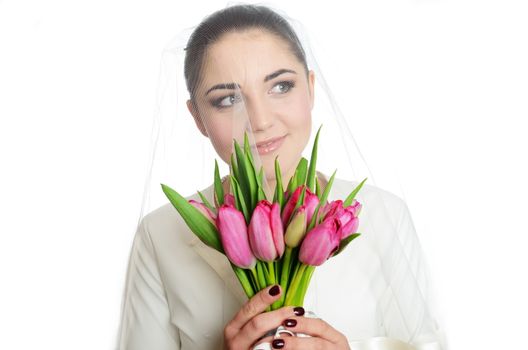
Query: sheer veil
point(183, 158)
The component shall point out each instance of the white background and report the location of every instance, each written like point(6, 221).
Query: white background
point(449, 79)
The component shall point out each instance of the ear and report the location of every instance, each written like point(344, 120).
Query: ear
point(311, 85)
point(197, 118)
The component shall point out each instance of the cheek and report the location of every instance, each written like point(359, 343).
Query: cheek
point(222, 130)
point(221, 136)
point(295, 111)
point(297, 116)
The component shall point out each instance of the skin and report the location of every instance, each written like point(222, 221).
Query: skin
point(272, 108)
point(251, 322)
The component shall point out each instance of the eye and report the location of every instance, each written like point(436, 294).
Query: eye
point(283, 86)
point(226, 101)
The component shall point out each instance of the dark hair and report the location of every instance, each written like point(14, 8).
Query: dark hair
point(231, 19)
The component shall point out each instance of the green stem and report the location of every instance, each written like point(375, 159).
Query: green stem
point(294, 289)
point(243, 278)
point(255, 278)
point(271, 272)
point(305, 282)
point(261, 275)
point(285, 272)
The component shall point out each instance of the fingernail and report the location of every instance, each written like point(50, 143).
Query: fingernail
point(298, 310)
point(277, 343)
point(275, 290)
point(290, 323)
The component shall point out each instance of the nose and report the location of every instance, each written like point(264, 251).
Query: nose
point(260, 115)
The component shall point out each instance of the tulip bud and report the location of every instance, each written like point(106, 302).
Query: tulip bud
point(229, 199)
point(310, 200)
point(320, 243)
point(297, 228)
point(204, 210)
point(234, 237)
point(290, 205)
point(348, 224)
point(356, 206)
point(266, 234)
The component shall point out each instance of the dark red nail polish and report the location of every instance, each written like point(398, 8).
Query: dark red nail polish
point(277, 343)
point(290, 323)
point(275, 290)
point(298, 310)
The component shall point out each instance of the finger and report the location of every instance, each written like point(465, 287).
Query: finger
point(264, 322)
point(314, 327)
point(267, 339)
point(290, 343)
point(256, 305)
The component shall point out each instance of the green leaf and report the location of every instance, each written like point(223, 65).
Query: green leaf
point(239, 198)
point(206, 202)
point(322, 201)
point(292, 184)
point(194, 219)
point(350, 198)
point(234, 167)
point(245, 179)
point(317, 187)
point(345, 242)
point(219, 190)
point(301, 170)
point(310, 181)
point(260, 179)
point(279, 191)
point(253, 182)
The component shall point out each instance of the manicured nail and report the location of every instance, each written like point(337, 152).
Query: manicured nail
point(298, 310)
point(275, 290)
point(277, 343)
point(290, 323)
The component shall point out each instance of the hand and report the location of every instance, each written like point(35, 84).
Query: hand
point(251, 323)
point(322, 335)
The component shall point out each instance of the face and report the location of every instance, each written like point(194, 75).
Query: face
point(252, 82)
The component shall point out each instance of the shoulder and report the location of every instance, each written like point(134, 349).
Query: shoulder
point(368, 192)
point(374, 199)
point(165, 222)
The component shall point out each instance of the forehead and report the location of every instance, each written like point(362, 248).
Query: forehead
point(246, 56)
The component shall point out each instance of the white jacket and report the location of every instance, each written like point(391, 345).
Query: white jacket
point(180, 293)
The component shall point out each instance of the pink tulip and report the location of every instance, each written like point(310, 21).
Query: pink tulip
point(348, 223)
point(234, 237)
point(356, 206)
point(266, 234)
point(310, 200)
point(229, 199)
point(320, 243)
point(204, 210)
point(296, 228)
point(347, 217)
point(331, 209)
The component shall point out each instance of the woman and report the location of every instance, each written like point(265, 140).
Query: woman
point(246, 70)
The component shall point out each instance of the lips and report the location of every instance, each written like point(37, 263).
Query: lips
point(270, 145)
point(269, 141)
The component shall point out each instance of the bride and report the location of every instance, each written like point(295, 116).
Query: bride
point(246, 70)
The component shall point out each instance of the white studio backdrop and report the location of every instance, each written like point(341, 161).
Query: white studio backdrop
point(447, 81)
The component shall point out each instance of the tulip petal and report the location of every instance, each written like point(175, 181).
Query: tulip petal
point(234, 236)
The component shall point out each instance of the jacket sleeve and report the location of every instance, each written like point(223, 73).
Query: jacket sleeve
point(145, 316)
point(423, 332)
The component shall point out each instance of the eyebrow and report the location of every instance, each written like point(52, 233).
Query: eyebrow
point(232, 86)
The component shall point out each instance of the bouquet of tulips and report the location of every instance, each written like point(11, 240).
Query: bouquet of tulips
point(277, 242)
